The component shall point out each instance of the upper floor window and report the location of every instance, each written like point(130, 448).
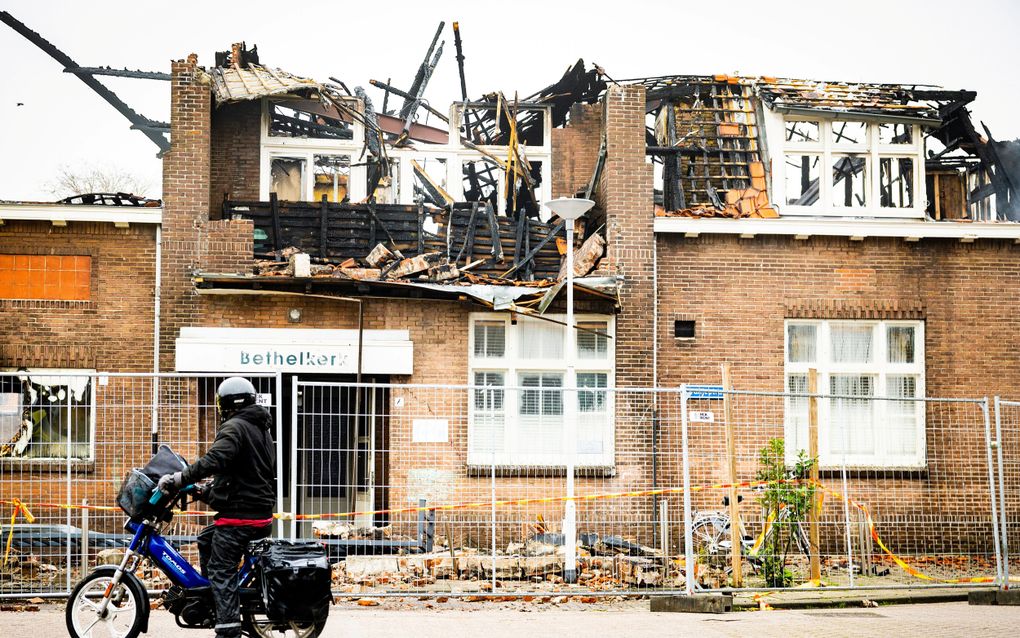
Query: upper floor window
point(850, 168)
point(519, 405)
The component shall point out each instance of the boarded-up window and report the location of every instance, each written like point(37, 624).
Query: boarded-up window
point(58, 277)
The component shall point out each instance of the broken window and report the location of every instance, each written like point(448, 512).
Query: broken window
point(486, 124)
point(481, 181)
point(802, 173)
point(892, 133)
point(289, 121)
point(46, 414)
point(874, 166)
point(896, 182)
point(849, 133)
point(388, 189)
point(287, 178)
point(849, 181)
point(430, 181)
point(332, 178)
point(57, 277)
point(801, 131)
point(858, 360)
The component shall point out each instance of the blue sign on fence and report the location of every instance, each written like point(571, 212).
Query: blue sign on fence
point(701, 391)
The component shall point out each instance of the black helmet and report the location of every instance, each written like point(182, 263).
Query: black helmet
point(233, 394)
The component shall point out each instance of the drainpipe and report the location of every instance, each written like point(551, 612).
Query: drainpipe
point(155, 338)
point(655, 385)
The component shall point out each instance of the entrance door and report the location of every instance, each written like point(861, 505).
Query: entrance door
point(338, 432)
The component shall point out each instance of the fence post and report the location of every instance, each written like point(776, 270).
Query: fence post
point(664, 536)
point(1002, 494)
point(813, 531)
point(736, 537)
point(846, 498)
point(689, 565)
point(84, 536)
point(278, 418)
point(294, 457)
point(492, 511)
point(989, 444)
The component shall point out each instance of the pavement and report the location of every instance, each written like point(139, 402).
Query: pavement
point(423, 619)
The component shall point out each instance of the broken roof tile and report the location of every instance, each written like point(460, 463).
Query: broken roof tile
point(235, 84)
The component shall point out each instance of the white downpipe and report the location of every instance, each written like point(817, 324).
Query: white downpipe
point(155, 331)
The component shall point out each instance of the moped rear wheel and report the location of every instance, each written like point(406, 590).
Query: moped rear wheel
point(259, 625)
point(123, 617)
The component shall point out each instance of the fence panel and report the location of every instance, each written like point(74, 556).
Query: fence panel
point(77, 435)
point(429, 488)
point(1007, 433)
point(910, 474)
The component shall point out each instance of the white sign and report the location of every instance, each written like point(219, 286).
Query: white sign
point(265, 400)
point(701, 417)
point(293, 350)
point(430, 431)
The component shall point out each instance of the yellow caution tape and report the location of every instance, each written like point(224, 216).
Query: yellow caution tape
point(21, 508)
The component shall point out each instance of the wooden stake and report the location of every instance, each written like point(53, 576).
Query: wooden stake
point(813, 528)
point(731, 454)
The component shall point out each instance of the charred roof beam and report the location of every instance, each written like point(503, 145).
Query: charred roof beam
point(138, 121)
point(119, 73)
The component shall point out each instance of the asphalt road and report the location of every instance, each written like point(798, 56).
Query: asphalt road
point(494, 620)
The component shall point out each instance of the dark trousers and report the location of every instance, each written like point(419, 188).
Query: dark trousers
point(220, 549)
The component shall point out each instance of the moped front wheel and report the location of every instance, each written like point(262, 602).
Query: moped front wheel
point(123, 617)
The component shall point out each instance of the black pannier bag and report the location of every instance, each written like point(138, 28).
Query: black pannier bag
point(137, 487)
point(295, 580)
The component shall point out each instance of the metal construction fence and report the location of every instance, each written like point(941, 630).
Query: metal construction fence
point(465, 490)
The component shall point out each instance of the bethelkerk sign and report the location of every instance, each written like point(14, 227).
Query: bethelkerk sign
point(293, 350)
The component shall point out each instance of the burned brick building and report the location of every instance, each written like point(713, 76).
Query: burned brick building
point(867, 231)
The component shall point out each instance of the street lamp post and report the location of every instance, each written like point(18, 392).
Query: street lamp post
point(569, 210)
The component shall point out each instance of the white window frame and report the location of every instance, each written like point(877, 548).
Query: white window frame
point(880, 369)
point(826, 149)
point(512, 365)
point(455, 154)
point(57, 372)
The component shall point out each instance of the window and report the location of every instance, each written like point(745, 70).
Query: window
point(857, 361)
point(58, 277)
point(291, 181)
point(847, 167)
point(47, 414)
point(520, 408)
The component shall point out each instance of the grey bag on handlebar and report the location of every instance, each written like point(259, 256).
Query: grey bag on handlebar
point(137, 487)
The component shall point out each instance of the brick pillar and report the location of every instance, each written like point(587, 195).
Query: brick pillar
point(185, 200)
point(575, 148)
point(625, 195)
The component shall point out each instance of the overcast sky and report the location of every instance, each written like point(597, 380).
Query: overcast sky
point(522, 46)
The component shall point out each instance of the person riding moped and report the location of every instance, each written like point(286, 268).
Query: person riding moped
point(242, 460)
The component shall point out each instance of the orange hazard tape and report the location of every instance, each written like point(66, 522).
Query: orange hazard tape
point(20, 507)
point(17, 508)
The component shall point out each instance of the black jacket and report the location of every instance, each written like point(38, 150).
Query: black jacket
point(243, 460)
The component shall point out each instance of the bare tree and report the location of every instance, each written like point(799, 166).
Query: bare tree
point(80, 180)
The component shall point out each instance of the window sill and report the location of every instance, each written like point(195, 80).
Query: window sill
point(587, 471)
point(876, 472)
point(53, 466)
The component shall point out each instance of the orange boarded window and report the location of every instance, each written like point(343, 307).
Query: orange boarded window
point(60, 277)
